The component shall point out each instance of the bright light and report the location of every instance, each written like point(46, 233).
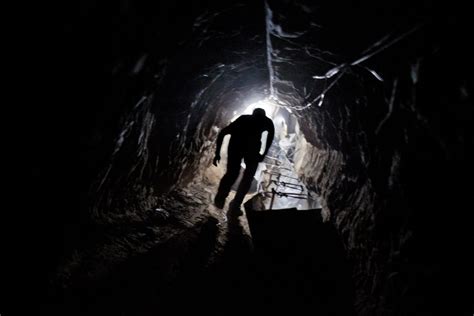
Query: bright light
point(269, 107)
point(280, 120)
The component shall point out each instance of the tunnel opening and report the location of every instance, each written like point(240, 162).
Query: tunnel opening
point(371, 102)
point(276, 181)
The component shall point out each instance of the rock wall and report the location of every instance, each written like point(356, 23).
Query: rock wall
point(394, 184)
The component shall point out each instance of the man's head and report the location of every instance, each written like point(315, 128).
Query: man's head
point(259, 113)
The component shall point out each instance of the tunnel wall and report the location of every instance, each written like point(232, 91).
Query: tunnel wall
point(146, 130)
point(393, 169)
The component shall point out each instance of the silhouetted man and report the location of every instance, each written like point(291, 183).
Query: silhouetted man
point(245, 143)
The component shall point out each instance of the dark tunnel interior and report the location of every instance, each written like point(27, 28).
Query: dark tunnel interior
point(372, 105)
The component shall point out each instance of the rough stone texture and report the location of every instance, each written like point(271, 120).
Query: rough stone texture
point(129, 266)
point(390, 185)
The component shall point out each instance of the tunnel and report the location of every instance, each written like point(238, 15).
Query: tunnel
point(361, 207)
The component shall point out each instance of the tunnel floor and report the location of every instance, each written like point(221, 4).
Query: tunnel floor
point(197, 260)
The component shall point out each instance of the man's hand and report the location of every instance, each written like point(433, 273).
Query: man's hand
point(217, 158)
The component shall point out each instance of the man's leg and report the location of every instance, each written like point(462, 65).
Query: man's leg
point(244, 186)
point(232, 173)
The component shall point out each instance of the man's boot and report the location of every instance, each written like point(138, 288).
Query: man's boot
point(219, 201)
point(234, 208)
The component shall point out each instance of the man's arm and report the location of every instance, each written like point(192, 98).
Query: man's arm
point(270, 135)
point(225, 131)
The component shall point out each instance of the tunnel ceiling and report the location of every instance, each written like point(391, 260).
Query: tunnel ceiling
point(312, 57)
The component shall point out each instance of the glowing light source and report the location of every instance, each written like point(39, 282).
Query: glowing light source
point(269, 106)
